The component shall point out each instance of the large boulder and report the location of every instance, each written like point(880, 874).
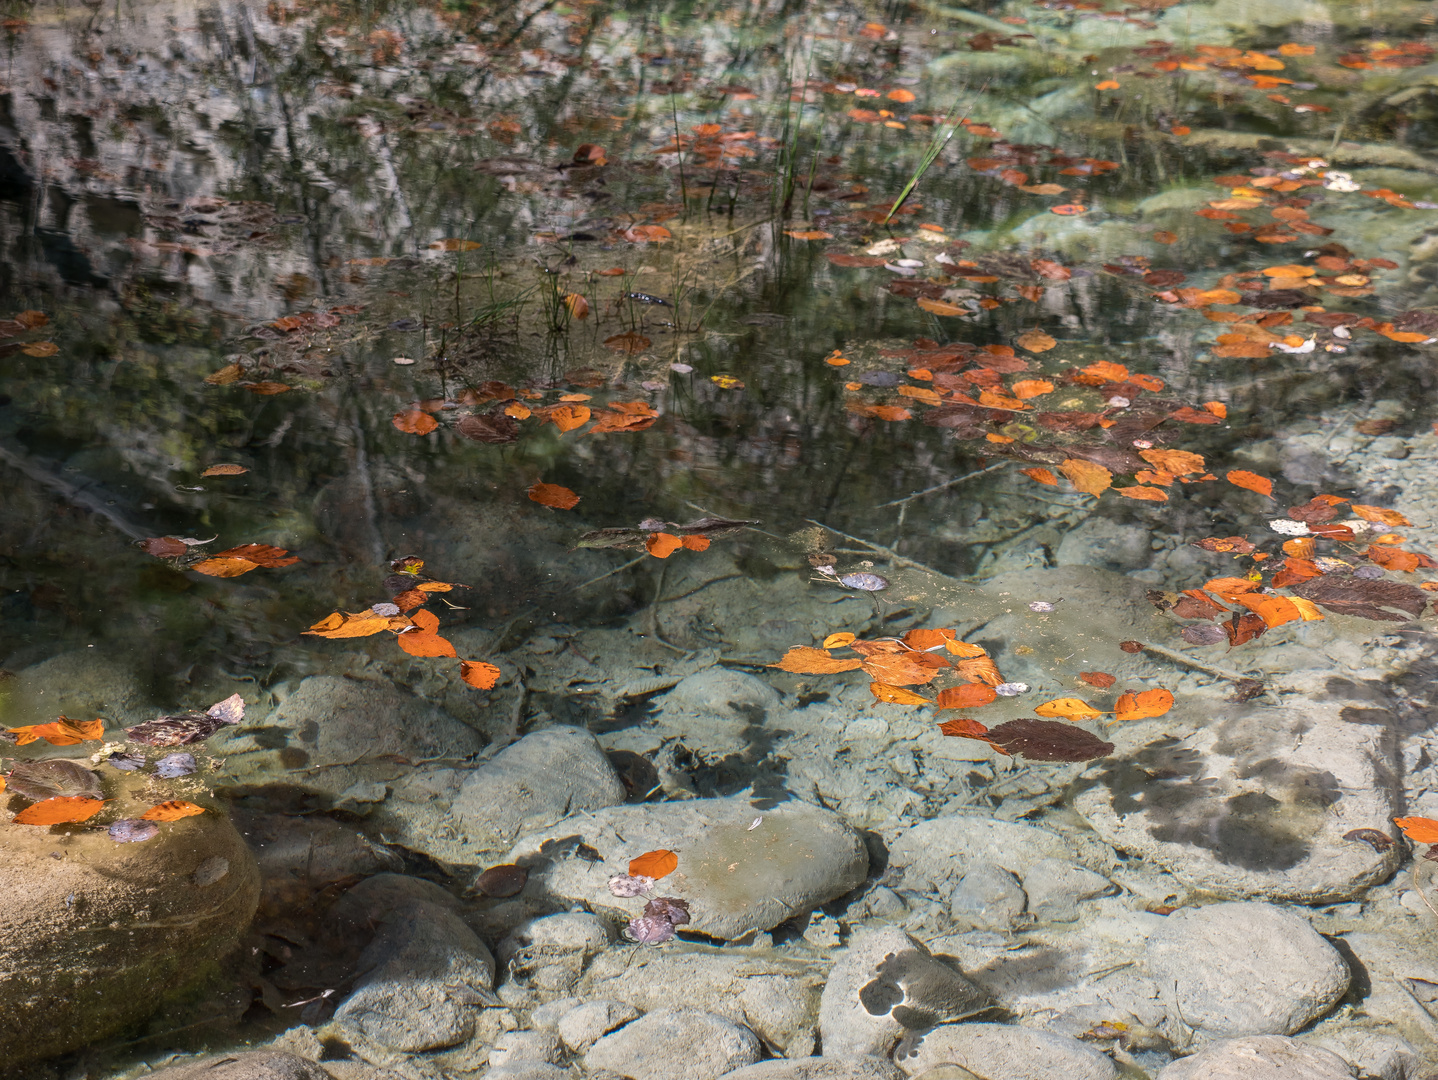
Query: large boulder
point(1256, 806)
point(1245, 969)
point(740, 868)
point(461, 815)
point(79, 684)
point(97, 935)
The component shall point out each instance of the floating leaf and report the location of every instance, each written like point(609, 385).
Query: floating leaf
point(923, 638)
point(453, 244)
point(1048, 740)
point(415, 422)
point(1142, 705)
point(1380, 515)
point(568, 417)
point(61, 732)
point(60, 810)
point(904, 669)
point(1086, 476)
point(1101, 679)
point(577, 305)
point(260, 554)
point(896, 696)
point(942, 307)
point(173, 810)
point(43, 349)
point(969, 696)
point(1177, 462)
point(225, 470)
point(225, 568)
point(1146, 494)
point(647, 234)
point(494, 427)
point(1420, 830)
point(1036, 341)
point(694, 543)
point(553, 496)
point(425, 641)
point(1070, 708)
point(164, 547)
point(1272, 609)
point(662, 544)
point(359, 624)
point(173, 765)
point(1043, 476)
point(809, 234)
point(1251, 481)
point(806, 660)
point(980, 669)
point(653, 864)
point(1365, 597)
point(478, 674)
point(964, 728)
point(838, 641)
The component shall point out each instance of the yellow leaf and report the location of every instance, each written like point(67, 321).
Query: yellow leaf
point(1070, 708)
point(805, 660)
point(1086, 476)
point(1143, 705)
point(895, 695)
point(838, 641)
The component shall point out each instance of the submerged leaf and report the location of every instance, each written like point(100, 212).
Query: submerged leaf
point(1048, 740)
point(893, 695)
point(171, 811)
point(478, 674)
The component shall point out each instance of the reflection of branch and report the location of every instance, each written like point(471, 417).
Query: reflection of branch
point(941, 487)
point(69, 492)
point(893, 555)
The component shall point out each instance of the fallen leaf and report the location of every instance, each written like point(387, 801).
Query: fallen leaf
point(654, 864)
point(1143, 705)
point(52, 777)
point(553, 496)
point(1272, 609)
point(478, 674)
point(1240, 629)
point(60, 810)
point(43, 349)
point(1251, 481)
point(838, 641)
point(662, 544)
point(1048, 740)
point(225, 470)
point(223, 567)
point(904, 669)
point(1380, 515)
point(969, 696)
point(807, 660)
point(1036, 341)
point(1177, 462)
point(1101, 679)
point(577, 305)
point(359, 624)
point(568, 417)
point(923, 638)
point(452, 244)
point(173, 810)
point(628, 342)
point(979, 669)
point(1421, 830)
point(1070, 708)
point(896, 696)
point(1086, 476)
point(964, 728)
point(61, 732)
point(652, 234)
point(809, 234)
point(1363, 597)
point(164, 547)
point(1043, 476)
point(1146, 494)
point(426, 640)
point(260, 554)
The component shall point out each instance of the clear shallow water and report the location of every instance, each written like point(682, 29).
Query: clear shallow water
point(209, 205)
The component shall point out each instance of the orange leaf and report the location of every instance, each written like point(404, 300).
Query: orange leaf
point(941, 307)
point(260, 555)
point(695, 543)
point(59, 810)
point(415, 422)
point(1036, 341)
point(1030, 388)
point(904, 669)
point(568, 417)
point(892, 413)
point(895, 696)
point(1140, 706)
point(1252, 481)
point(662, 544)
point(964, 650)
point(809, 234)
point(218, 567)
point(1380, 515)
point(1230, 588)
point(225, 470)
point(361, 624)
point(1274, 610)
point(425, 644)
point(1070, 708)
point(654, 864)
point(577, 305)
point(1301, 547)
point(969, 696)
point(980, 669)
point(553, 496)
point(900, 95)
point(1148, 494)
point(1086, 476)
point(479, 674)
point(1107, 84)
point(1421, 830)
point(1107, 370)
point(1177, 462)
point(838, 641)
point(650, 233)
point(410, 599)
point(1307, 609)
point(1394, 559)
point(1043, 476)
point(923, 639)
point(173, 810)
point(61, 732)
point(1102, 679)
point(964, 728)
point(806, 660)
point(1068, 209)
point(1217, 408)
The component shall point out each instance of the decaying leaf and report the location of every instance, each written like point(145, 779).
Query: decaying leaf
point(61, 732)
point(654, 864)
point(1367, 598)
point(1048, 740)
point(1087, 477)
point(40, 780)
point(1101, 679)
point(965, 728)
point(225, 470)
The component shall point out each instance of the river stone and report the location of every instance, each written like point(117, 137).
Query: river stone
point(1258, 1057)
point(463, 815)
point(333, 734)
point(1245, 969)
point(412, 974)
point(257, 1065)
point(1109, 544)
point(95, 936)
point(584, 1025)
point(1055, 886)
point(934, 855)
point(675, 1044)
point(716, 711)
point(80, 684)
point(886, 985)
point(1003, 1052)
point(1255, 806)
point(819, 1068)
point(737, 879)
point(513, 1047)
point(774, 996)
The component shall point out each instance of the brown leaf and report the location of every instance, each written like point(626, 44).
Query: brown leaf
point(553, 496)
point(1048, 740)
point(1240, 629)
point(40, 780)
point(1101, 679)
point(1364, 597)
point(492, 427)
point(225, 470)
point(415, 422)
point(629, 342)
point(223, 567)
point(259, 554)
point(806, 660)
point(965, 728)
point(164, 547)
